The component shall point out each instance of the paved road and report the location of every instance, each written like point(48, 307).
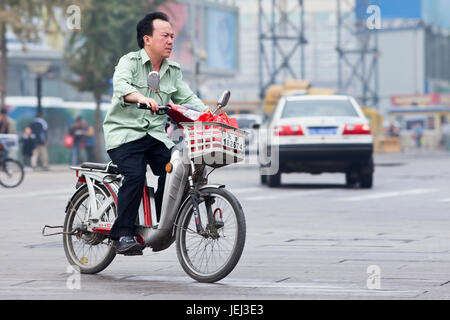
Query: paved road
point(313, 238)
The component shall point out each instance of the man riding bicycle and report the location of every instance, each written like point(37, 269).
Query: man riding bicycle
point(136, 137)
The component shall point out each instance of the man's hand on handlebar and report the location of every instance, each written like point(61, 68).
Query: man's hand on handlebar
point(152, 105)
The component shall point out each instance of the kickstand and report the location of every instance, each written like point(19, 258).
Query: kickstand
point(56, 233)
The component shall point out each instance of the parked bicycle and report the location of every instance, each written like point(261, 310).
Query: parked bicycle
point(206, 221)
point(11, 170)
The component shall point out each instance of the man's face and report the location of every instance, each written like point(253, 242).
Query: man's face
point(161, 43)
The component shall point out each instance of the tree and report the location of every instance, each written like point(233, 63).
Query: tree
point(108, 31)
point(25, 19)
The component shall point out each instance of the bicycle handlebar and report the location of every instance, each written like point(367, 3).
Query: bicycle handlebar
point(161, 109)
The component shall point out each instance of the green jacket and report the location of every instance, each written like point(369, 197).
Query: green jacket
point(124, 122)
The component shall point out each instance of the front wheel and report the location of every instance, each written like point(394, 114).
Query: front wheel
point(11, 173)
point(274, 180)
point(211, 256)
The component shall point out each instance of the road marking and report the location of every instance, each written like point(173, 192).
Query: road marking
point(387, 195)
point(278, 195)
point(59, 191)
point(244, 190)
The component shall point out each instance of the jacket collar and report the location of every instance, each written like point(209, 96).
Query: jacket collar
point(145, 58)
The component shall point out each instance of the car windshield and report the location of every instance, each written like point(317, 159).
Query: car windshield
point(318, 108)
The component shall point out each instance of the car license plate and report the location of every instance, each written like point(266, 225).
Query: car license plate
point(322, 130)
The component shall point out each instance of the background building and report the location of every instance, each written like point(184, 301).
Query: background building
point(218, 47)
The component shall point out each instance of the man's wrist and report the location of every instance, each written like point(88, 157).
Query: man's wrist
point(133, 97)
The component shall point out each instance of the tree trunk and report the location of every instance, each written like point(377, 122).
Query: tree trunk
point(98, 129)
point(3, 65)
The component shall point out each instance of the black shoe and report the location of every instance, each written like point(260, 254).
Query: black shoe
point(134, 252)
point(127, 244)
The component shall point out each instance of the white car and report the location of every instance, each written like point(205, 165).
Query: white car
point(322, 133)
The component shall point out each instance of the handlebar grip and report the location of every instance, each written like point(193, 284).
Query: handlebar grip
point(161, 109)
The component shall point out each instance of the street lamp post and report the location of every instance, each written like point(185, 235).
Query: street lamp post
point(39, 68)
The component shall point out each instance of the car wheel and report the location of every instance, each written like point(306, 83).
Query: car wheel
point(263, 179)
point(351, 179)
point(366, 181)
point(274, 180)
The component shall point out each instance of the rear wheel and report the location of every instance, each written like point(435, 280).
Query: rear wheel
point(366, 181)
point(88, 250)
point(351, 178)
point(366, 174)
point(211, 256)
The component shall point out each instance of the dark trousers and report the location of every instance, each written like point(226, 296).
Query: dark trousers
point(132, 159)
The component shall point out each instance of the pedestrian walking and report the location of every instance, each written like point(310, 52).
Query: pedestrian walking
point(7, 126)
point(89, 141)
point(28, 141)
point(39, 127)
point(77, 132)
point(418, 134)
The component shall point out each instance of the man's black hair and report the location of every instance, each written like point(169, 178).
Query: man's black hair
point(145, 26)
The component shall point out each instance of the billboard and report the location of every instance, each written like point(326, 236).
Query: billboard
point(179, 18)
point(213, 28)
point(221, 39)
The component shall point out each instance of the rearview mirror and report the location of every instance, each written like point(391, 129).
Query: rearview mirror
point(153, 81)
point(223, 100)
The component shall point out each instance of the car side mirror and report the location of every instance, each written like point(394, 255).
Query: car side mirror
point(256, 126)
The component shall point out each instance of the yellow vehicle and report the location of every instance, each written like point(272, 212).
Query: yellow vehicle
point(290, 86)
point(381, 141)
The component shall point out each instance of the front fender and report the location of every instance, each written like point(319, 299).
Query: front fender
point(186, 201)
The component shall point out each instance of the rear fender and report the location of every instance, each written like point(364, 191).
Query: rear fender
point(78, 191)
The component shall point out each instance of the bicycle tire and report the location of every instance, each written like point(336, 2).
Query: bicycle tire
point(239, 239)
point(4, 166)
point(77, 201)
